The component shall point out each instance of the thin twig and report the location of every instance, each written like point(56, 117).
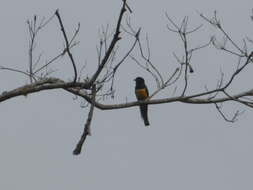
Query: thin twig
point(18, 71)
point(232, 120)
point(67, 44)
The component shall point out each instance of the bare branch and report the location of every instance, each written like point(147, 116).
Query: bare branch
point(183, 32)
point(239, 70)
point(123, 59)
point(191, 99)
point(34, 28)
point(44, 84)
point(156, 74)
point(67, 43)
point(215, 22)
point(53, 59)
point(232, 120)
point(86, 130)
point(166, 84)
point(115, 39)
point(16, 70)
point(127, 6)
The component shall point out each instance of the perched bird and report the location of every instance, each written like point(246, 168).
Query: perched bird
point(141, 93)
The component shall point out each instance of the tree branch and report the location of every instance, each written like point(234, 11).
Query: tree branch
point(86, 130)
point(115, 39)
point(67, 44)
point(191, 99)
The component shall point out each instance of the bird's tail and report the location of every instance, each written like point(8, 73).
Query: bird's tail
point(144, 114)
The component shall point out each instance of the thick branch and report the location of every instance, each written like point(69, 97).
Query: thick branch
point(45, 84)
point(191, 99)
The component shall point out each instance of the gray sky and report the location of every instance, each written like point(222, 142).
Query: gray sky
point(187, 146)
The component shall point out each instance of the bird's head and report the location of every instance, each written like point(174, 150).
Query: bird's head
point(139, 80)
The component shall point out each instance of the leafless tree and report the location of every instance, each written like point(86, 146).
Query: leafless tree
point(100, 84)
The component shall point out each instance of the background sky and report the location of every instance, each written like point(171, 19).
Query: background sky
point(187, 146)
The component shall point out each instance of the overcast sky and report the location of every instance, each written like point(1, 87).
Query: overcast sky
point(187, 146)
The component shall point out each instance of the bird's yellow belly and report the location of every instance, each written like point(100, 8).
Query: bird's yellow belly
point(141, 94)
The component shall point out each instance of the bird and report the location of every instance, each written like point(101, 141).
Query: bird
point(141, 92)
